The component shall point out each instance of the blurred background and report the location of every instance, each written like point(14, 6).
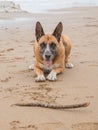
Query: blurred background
point(39, 6)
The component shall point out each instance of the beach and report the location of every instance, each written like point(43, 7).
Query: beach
point(77, 85)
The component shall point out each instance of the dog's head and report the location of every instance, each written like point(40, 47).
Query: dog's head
point(48, 43)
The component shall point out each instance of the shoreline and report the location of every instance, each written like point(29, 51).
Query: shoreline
point(72, 8)
point(25, 14)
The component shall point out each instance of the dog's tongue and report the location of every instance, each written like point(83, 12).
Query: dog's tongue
point(47, 63)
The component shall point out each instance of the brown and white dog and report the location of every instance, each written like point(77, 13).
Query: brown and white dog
point(51, 53)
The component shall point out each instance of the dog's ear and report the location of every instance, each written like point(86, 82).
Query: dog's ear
point(58, 31)
point(39, 32)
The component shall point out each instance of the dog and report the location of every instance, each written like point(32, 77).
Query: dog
point(51, 53)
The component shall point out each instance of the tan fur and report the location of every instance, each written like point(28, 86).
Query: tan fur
point(63, 47)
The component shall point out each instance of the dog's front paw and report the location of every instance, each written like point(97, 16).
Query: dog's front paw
point(69, 65)
point(40, 78)
point(52, 76)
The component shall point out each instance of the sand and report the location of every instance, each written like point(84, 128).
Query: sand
point(77, 85)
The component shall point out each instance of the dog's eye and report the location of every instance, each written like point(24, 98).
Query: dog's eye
point(53, 45)
point(42, 45)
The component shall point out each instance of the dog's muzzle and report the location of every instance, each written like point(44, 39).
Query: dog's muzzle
point(48, 60)
point(47, 55)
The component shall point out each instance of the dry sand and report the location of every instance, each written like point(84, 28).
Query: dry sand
point(73, 86)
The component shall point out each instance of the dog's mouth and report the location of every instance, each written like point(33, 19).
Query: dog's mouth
point(47, 62)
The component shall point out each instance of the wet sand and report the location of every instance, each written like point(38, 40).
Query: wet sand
point(75, 85)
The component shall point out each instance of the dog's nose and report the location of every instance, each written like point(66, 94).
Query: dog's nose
point(47, 56)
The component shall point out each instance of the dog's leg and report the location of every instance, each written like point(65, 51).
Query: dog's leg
point(53, 74)
point(67, 53)
point(40, 75)
point(67, 64)
point(67, 46)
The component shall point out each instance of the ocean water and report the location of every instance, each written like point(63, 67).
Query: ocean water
point(39, 6)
